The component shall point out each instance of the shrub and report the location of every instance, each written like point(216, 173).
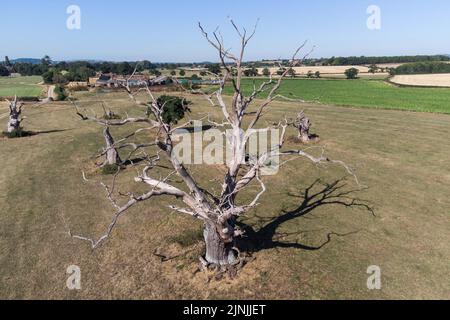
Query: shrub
point(60, 93)
point(214, 68)
point(190, 86)
point(373, 68)
point(253, 72)
point(174, 108)
point(351, 73)
point(266, 72)
point(4, 72)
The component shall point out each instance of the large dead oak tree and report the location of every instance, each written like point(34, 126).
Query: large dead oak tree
point(219, 212)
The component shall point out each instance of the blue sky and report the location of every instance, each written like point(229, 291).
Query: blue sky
point(167, 30)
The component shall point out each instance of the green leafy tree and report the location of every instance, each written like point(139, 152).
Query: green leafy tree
point(373, 68)
point(253, 72)
point(266, 72)
point(147, 65)
point(4, 72)
point(58, 78)
point(317, 74)
point(125, 68)
point(173, 73)
point(182, 73)
point(310, 74)
point(60, 93)
point(215, 68)
point(351, 73)
point(155, 72)
point(174, 108)
point(48, 76)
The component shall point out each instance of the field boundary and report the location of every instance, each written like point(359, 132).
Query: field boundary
point(401, 85)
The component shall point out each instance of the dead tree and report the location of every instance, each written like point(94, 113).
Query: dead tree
point(110, 151)
point(303, 125)
point(15, 111)
point(218, 211)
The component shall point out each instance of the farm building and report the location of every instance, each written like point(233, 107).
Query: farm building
point(160, 81)
point(113, 80)
point(93, 80)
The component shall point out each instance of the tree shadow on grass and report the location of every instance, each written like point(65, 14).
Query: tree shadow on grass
point(36, 133)
point(25, 133)
point(193, 129)
point(330, 194)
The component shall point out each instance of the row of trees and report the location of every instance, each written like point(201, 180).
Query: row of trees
point(76, 70)
point(422, 68)
point(346, 61)
point(353, 60)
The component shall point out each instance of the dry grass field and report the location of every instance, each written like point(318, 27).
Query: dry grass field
point(322, 69)
point(309, 241)
point(423, 80)
point(326, 71)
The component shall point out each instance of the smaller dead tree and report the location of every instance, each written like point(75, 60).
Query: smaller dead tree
point(110, 151)
point(303, 124)
point(109, 114)
point(15, 111)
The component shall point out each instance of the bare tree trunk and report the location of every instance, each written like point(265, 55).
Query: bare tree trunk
point(112, 156)
point(303, 135)
point(303, 125)
point(218, 251)
point(13, 123)
point(14, 116)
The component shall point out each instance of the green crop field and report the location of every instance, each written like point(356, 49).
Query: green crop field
point(363, 93)
point(20, 86)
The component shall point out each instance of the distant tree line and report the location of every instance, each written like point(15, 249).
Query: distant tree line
point(63, 72)
point(60, 72)
point(422, 68)
point(348, 61)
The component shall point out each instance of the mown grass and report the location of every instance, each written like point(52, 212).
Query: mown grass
point(307, 247)
point(363, 93)
point(20, 86)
